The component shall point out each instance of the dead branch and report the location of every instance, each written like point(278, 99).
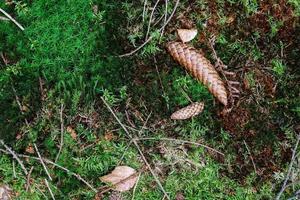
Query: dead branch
point(15, 156)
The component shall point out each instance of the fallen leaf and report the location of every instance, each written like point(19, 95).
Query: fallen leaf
point(109, 136)
point(187, 35)
point(5, 192)
point(72, 132)
point(122, 177)
point(29, 149)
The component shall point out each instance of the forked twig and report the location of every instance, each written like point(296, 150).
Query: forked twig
point(15, 156)
point(249, 152)
point(151, 37)
point(151, 18)
point(12, 19)
point(289, 170)
point(138, 148)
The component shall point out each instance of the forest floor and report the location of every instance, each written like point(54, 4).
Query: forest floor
point(77, 100)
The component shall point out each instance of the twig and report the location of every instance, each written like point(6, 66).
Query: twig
point(54, 164)
point(249, 152)
point(138, 148)
point(166, 17)
point(61, 132)
point(14, 156)
point(183, 141)
point(28, 179)
point(51, 193)
point(144, 9)
point(42, 162)
point(18, 102)
point(134, 189)
point(289, 170)
point(14, 169)
point(151, 18)
point(151, 37)
point(12, 19)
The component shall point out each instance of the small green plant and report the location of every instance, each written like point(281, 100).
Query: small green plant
point(278, 67)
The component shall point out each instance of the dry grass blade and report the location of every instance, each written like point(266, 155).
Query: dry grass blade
point(189, 111)
point(199, 67)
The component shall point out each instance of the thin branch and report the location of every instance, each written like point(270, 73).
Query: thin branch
point(12, 19)
point(249, 152)
point(151, 37)
point(137, 146)
point(144, 9)
point(54, 164)
point(136, 184)
point(151, 18)
point(61, 132)
point(51, 193)
point(183, 141)
point(28, 179)
point(14, 156)
point(289, 170)
point(42, 162)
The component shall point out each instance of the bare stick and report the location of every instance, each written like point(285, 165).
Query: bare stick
point(42, 162)
point(61, 132)
point(151, 18)
point(14, 156)
point(249, 152)
point(12, 19)
point(144, 9)
point(134, 189)
point(183, 141)
point(51, 193)
point(28, 179)
point(54, 164)
point(138, 148)
point(18, 102)
point(14, 169)
point(151, 37)
point(289, 170)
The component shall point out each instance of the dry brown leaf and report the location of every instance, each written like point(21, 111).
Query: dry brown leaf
point(187, 35)
point(72, 132)
point(5, 193)
point(122, 177)
point(199, 67)
point(29, 149)
point(189, 111)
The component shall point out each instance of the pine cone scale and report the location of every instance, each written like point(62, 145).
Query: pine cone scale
point(199, 67)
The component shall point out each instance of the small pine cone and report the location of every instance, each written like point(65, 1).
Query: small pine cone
point(189, 111)
point(199, 67)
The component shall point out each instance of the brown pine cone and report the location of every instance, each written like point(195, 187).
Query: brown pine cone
point(200, 67)
point(188, 111)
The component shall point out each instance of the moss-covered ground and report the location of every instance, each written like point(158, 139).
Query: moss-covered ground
point(54, 73)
